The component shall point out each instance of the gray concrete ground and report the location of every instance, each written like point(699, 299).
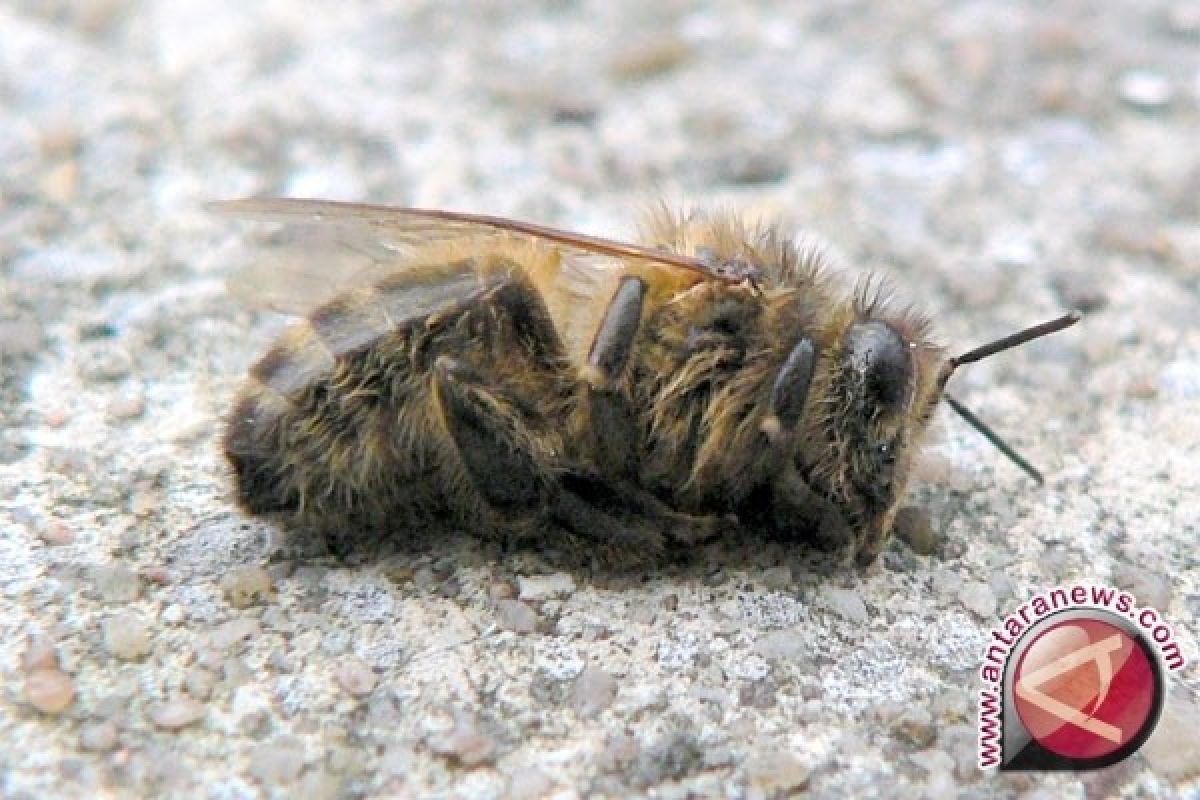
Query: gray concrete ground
point(1002, 161)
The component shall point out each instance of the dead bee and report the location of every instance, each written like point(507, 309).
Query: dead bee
point(524, 379)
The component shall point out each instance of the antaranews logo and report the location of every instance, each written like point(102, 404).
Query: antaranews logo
point(1073, 680)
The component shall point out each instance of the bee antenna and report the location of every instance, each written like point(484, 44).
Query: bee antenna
point(989, 434)
point(990, 349)
point(1008, 342)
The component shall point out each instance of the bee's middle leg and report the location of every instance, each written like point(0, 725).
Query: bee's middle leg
point(610, 426)
point(608, 422)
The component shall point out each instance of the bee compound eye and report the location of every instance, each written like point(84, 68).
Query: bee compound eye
point(880, 355)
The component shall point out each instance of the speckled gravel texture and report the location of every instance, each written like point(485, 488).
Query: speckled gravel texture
point(1002, 161)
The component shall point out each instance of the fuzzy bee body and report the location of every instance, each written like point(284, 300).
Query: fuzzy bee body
point(631, 396)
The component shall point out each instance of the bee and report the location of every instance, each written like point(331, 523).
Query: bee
point(520, 379)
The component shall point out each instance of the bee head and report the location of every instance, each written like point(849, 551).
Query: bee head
point(874, 399)
point(877, 380)
point(885, 381)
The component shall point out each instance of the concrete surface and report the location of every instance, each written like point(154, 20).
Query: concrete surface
point(1003, 161)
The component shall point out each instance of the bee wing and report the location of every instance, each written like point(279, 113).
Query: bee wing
point(318, 250)
point(326, 248)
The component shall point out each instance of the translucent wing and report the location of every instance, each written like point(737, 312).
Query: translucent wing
point(340, 245)
point(328, 248)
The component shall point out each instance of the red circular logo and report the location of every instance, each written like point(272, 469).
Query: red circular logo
point(1085, 688)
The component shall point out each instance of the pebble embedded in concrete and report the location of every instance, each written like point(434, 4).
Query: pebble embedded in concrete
point(127, 636)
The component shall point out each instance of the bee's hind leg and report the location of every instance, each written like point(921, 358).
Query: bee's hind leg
point(494, 445)
point(523, 487)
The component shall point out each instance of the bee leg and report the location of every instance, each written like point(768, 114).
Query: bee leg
point(493, 443)
point(875, 536)
point(785, 508)
point(593, 508)
point(790, 390)
point(609, 422)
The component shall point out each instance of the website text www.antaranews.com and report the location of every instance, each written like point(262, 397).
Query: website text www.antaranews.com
point(1078, 596)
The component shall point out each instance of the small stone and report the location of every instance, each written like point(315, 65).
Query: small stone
point(670, 602)
point(942, 784)
point(950, 703)
point(915, 726)
point(516, 616)
point(40, 654)
point(979, 599)
point(144, 502)
point(355, 677)
point(199, 683)
point(529, 783)
point(933, 761)
point(173, 614)
point(1145, 89)
point(775, 773)
point(318, 784)
point(758, 694)
point(451, 587)
point(57, 417)
point(20, 338)
point(501, 590)
point(653, 56)
point(465, 743)
point(914, 527)
point(782, 644)
point(127, 636)
point(104, 361)
point(777, 578)
point(98, 737)
point(156, 574)
point(235, 673)
point(675, 755)
point(60, 183)
point(643, 613)
point(49, 690)
point(424, 579)
point(247, 586)
point(537, 588)
point(116, 583)
point(56, 533)
point(945, 583)
point(1173, 750)
point(748, 166)
point(127, 405)
point(1080, 290)
point(593, 692)
point(1150, 589)
point(846, 603)
point(279, 661)
point(399, 573)
point(177, 713)
point(234, 632)
point(277, 763)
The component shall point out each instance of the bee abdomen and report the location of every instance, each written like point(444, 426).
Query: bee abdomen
point(335, 418)
point(251, 447)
